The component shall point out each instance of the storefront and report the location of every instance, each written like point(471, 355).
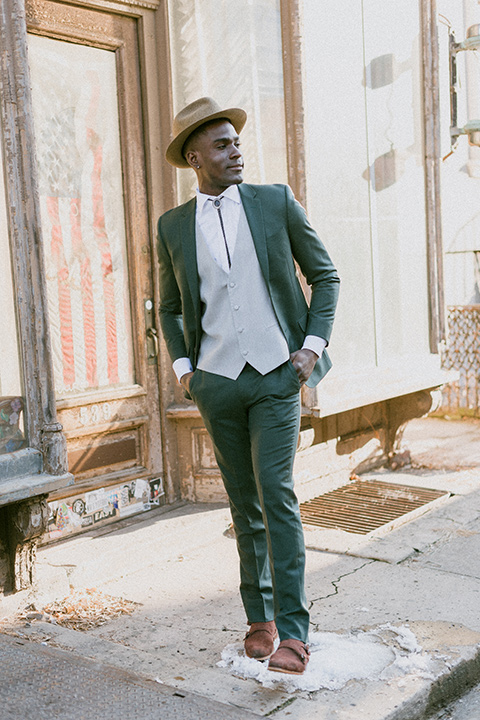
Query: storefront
point(341, 105)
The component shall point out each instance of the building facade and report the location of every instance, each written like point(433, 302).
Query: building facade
point(344, 104)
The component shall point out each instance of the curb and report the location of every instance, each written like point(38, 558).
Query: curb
point(450, 686)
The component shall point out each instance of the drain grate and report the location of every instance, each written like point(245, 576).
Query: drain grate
point(365, 505)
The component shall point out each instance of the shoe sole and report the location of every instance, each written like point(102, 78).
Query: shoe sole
point(287, 672)
point(260, 659)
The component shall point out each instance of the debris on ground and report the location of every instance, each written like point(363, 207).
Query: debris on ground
point(82, 610)
point(398, 460)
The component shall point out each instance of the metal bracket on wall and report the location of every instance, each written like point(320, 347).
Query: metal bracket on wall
point(472, 127)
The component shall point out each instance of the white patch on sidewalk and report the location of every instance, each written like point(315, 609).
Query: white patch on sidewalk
point(335, 659)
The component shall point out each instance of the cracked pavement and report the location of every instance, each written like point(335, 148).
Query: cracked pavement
point(183, 570)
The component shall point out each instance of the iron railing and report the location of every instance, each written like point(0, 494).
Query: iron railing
point(462, 353)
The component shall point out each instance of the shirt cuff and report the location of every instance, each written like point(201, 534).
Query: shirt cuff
point(314, 343)
point(182, 366)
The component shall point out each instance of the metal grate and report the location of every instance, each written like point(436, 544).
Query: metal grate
point(365, 505)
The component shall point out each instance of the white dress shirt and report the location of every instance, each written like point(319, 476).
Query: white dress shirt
point(209, 222)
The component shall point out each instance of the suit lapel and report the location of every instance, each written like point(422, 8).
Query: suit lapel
point(189, 249)
point(254, 212)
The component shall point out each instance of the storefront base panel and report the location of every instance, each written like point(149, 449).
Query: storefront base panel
point(95, 508)
point(330, 450)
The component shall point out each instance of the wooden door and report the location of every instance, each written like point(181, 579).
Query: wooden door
point(87, 106)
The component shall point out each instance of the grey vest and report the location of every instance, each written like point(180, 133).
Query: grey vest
point(239, 323)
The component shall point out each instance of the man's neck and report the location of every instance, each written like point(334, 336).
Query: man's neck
point(212, 193)
point(231, 191)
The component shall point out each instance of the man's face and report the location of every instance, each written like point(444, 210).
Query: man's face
point(217, 152)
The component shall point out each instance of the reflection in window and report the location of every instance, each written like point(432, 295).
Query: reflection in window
point(75, 110)
point(238, 69)
point(11, 434)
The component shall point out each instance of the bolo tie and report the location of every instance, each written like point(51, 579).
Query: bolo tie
point(217, 204)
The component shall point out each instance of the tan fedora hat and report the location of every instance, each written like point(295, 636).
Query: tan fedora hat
point(191, 117)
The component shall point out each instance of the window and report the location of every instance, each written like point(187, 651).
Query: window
point(238, 69)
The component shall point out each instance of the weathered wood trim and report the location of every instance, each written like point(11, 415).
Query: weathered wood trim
point(123, 6)
point(164, 194)
point(442, 316)
point(431, 116)
point(102, 25)
point(44, 432)
point(291, 22)
point(293, 87)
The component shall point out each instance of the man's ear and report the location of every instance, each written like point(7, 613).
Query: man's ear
point(192, 158)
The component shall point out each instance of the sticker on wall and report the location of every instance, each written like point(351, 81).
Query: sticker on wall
point(98, 507)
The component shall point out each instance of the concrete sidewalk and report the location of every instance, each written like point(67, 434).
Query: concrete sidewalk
point(395, 617)
point(44, 683)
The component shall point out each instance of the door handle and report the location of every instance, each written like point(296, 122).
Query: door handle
point(151, 333)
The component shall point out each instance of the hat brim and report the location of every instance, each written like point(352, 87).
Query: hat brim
point(236, 116)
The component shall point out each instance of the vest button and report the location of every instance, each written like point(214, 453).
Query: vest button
point(232, 284)
point(245, 352)
point(236, 307)
point(240, 330)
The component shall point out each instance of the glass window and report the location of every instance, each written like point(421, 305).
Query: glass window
point(239, 69)
point(366, 182)
point(393, 54)
point(75, 107)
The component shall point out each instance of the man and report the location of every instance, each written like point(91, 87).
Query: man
point(243, 341)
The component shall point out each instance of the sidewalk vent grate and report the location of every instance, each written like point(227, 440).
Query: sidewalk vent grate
point(365, 505)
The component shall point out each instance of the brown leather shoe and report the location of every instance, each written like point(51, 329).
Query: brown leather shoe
point(290, 657)
point(259, 640)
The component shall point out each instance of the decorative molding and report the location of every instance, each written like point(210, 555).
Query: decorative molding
point(54, 448)
point(58, 22)
point(110, 4)
point(27, 521)
point(203, 456)
point(120, 5)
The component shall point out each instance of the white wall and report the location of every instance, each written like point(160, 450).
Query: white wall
point(365, 174)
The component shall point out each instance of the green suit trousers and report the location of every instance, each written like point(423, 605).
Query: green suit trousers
point(254, 422)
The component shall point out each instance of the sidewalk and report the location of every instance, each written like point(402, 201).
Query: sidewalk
point(395, 617)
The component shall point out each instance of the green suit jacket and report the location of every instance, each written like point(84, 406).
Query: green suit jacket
point(281, 233)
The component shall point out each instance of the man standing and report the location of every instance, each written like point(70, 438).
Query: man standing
point(243, 341)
